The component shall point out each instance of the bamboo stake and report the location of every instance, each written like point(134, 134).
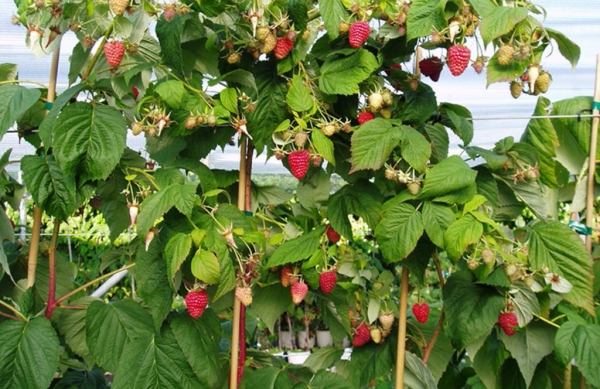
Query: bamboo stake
point(589, 209)
point(401, 350)
point(235, 331)
point(34, 242)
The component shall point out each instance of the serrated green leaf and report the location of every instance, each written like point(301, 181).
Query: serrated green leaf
point(14, 101)
point(372, 144)
point(270, 303)
point(529, 193)
point(297, 249)
point(423, 17)
point(418, 105)
point(89, 140)
point(333, 12)
point(171, 92)
point(471, 309)
point(399, 231)
point(323, 358)
point(269, 377)
point(299, 13)
point(8, 71)
point(323, 145)
point(324, 379)
point(417, 374)
point(450, 175)
point(580, 342)
point(29, 353)
point(567, 48)
point(495, 161)
point(270, 194)
point(177, 249)
point(459, 120)
point(52, 190)
point(155, 363)
point(71, 324)
point(110, 328)
point(169, 35)
point(314, 192)
point(499, 73)
point(353, 200)
point(205, 267)
point(228, 281)
point(341, 75)
point(228, 97)
point(199, 340)
point(463, 232)
point(299, 97)
point(415, 149)
point(502, 21)
point(529, 346)
point(436, 219)
point(557, 247)
point(440, 141)
point(369, 362)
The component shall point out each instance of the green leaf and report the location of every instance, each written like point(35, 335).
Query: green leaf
point(415, 149)
point(154, 206)
point(580, 342)
point(495, 161)
point(89, 140)
point(270, 302)
point(152, 281)
point(14, 101)
point(52, 190)
point(490, 360)
point(171, 92)
point(423, 17)
point(459, 120)
point(269, 377)
point(169, 35)
point(110, 328)
point(8, 71)
point(47, 126)
point(436, 219)
point(463, 232)
point(299, 97)
point(341, 75)
point(71, 324)
point(447, 176)
point(205, 267)
point(502, 21)
point(529, 346)
point(499, 73)
point(155, 363)
point(416, 373)
point(312, 193)
point(29, 353)
point(529, 193)
point(471, 309)
point(297, 249)
point(270, 194)
point(556, 246)
point(369, 362)
point(199, 341)
point(372, 144)
point(177, 249)
point(228, 97)
point(324, 379)
point(298, 12)
point(228, 281)
point(353, 200)
point(440, 142)
point(333, 12)
point(399, 232)
point(567, 48)
point(323, 358)
point(418, 105)
point(323, 145)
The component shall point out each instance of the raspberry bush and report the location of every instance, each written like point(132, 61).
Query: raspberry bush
point(328, 88)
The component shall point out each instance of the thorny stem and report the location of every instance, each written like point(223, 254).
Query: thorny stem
point(52, 271)
point(18, 315)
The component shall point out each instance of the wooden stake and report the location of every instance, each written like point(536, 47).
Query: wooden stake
point(401, 350)
point(589, 209)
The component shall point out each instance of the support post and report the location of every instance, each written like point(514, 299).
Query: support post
point(401, 350)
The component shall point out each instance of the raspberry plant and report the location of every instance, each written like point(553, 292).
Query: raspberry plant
point(347, 105)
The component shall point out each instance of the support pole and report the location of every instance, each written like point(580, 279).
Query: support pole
point(401, 350)
point(235, 331)
point(589, 209)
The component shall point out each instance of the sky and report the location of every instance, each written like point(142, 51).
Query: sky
point(579, 20)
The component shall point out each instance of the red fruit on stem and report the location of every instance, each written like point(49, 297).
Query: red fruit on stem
point(283, 47)
point(364, 117)
point(114, 52)
point(327, 281)
point(431, 67)
point(508, 322)
point(196, 302)
point(298, 291)
point(362, 336)
point(299, 162)
point(421, 312)
point(458, 59)
point(332, 235)
point(285, 275)
point(358, 33)
point(135, 92)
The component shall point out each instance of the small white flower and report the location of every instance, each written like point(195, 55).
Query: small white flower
point(558, 283)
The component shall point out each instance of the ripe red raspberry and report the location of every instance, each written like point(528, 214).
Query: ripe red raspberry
point(431, 67)
point(332, 234)
point(327, 281)
point(508, 322)
point(114, 52)
point(196, 301)
point(421, 312)
point(299, 161)
point(283, 47)
point(135, 92)
point(364, 117)
point(458, 59)
point(362, 336)
point(358, 33)
point(298, 291)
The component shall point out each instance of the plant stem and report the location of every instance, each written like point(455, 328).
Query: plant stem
point(94, 59)
point(24, 82)
point(34, 245)
point(10, 316)
point(429, 346)
point(18, 315)
point(401, 349)
point(52, 271)
point(567, 381)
